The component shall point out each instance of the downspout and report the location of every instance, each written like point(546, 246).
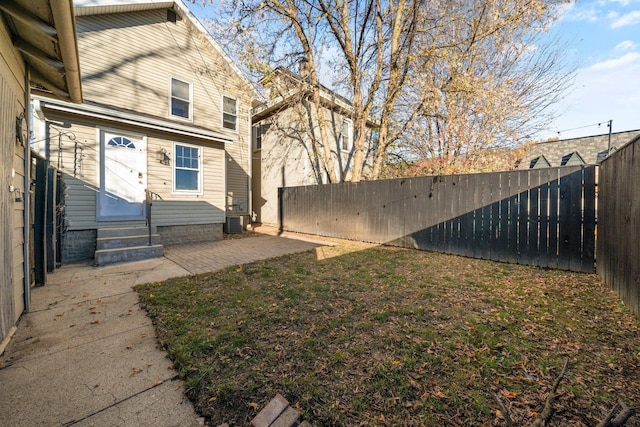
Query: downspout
point(26, 220)
point(250, 166)
point(65, 23)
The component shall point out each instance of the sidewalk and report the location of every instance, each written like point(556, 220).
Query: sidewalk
point(87, 355)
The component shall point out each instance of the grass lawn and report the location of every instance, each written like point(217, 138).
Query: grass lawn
point(357, 335)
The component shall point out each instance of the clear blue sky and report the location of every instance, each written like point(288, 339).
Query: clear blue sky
point(604, 38)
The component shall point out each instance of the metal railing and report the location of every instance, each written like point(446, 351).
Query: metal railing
point(150, 197)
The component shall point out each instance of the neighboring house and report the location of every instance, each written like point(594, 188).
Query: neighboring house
point(37, 47)
point(286, 140)
point(588, 150)
point(166, 116)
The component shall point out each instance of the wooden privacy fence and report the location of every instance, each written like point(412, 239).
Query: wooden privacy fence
point(619, 229)
point(542, 217)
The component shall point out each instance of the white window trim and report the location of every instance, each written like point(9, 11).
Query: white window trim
point(349, 137)
point(186, 119)
point(200, 190)
point(236, 130)
point(258, 129)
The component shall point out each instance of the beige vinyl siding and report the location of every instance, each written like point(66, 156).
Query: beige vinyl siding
point(285, 158)
point(127, 61)
point(12, 89)
point(180, 209)
point(238, 171)
point(74, 151)
point(78, 158)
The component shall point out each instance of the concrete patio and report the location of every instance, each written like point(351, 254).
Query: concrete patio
point(87, 355)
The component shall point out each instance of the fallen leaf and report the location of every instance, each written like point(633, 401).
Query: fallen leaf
point(254, 405)
point(134, 371)
point(508, 394)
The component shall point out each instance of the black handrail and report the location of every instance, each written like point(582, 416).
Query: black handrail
point(150, 197)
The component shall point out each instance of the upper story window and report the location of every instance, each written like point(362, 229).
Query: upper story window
point(181, 99)
point(345, 135)
point(229, 113)
point(187, 169)
point(259, 131)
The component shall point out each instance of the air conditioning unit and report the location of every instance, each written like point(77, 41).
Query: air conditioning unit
point(233, 226)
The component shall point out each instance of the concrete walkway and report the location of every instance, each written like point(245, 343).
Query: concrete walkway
point(87, 355)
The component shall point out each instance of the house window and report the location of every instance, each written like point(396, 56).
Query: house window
point(229, 113)
point(258, 135)
point(187, 169)
point(345, 137)
point(181, 94)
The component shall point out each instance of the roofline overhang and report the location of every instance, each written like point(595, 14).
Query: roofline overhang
point(266, 109)
point(62, 33)
point(101, 113)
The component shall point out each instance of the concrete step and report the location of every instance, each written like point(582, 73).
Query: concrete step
point(126, 241)
point(135, 253)
point(125, 231)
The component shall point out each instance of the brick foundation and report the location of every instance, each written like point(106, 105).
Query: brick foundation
point(78, 245)
point(177, 234)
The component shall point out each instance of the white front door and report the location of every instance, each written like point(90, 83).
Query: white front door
point(123, 177)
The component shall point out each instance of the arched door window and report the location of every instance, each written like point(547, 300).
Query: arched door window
point(121, 141)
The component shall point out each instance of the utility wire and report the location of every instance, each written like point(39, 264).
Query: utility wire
point(608, 123)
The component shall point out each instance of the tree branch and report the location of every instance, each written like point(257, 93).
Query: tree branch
point(504, 411)
point(618, 416)
point(547, 410)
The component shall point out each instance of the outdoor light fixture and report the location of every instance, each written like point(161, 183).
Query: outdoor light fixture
point(163, 157)
point(22, 130)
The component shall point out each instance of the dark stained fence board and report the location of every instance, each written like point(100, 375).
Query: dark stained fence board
point(554, 224)
point(575, 224)
point(523, 219)
point(589, 221)
point(564, 221)
point(544, 217)
point(618, 251)
point(494, 226)
point(507, 216)
point(534, 218)
point(503, 219)
point(513, 213)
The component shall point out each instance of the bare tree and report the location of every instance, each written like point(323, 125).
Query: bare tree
point(443, 78)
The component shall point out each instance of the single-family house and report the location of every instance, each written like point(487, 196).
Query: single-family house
point(287, 147)
point(37, 48)
point(589, 150)
point(159, 152)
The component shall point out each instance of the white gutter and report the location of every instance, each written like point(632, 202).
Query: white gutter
point(64, 21)
point(102, 113)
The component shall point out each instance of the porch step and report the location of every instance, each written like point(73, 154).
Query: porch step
point(134, 253)
point(125, 232)
point(126, 241)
